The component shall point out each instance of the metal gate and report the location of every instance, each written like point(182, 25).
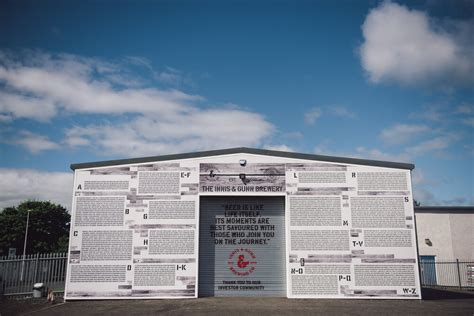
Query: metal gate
point(428, 270)
point(242, 246)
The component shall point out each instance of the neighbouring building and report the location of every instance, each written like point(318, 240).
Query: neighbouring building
point(446, 244)
point(242, 222)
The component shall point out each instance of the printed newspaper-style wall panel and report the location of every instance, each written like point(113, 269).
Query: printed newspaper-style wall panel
point(350, 232)
point(134, 232)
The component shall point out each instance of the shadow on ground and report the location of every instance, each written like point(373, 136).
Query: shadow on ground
point(444, 294)
point(435, 302)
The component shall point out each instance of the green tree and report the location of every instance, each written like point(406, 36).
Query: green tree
point(48, 228)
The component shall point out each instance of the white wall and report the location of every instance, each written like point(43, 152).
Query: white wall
point(451, 235)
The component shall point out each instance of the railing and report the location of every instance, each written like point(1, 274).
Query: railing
point(18, 274)
point(448, 274)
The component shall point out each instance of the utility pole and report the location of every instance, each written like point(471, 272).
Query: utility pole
point(24, 245)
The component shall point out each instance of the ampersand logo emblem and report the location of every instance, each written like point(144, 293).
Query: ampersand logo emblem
point(242, 262)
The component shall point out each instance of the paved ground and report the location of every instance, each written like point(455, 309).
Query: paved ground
point(437, 303)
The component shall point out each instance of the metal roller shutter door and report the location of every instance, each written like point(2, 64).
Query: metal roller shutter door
point(255, 264)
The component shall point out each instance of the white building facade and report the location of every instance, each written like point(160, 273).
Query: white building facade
point(242, 222)
point(446, 245)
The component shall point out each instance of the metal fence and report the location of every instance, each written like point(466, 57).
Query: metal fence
point(448, 274)
point(18, 274)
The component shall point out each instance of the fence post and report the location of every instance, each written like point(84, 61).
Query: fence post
point(459, 274)
point(2, 278)
point(36, 268)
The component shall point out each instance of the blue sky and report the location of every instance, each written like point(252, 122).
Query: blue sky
point(85, 81)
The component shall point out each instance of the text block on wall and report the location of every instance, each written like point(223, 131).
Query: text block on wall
point(134, 232)
point(350, 232)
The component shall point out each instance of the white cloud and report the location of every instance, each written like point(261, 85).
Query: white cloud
point(469, 148)
point(312, 115)
point(435, 144)
point(466, 111)
point(139, 61)
point(198, 130)
point(34, 143)
point(74, 137)
point(40, 85)
point(279, 148)
point(168, 77)
point(5, 118)
point(363, 153)
point(418, 177)
point(457, 200)
point(410, 47)
point(402, 133)
point(341, 111)
point(465, 108)
point(427, 198)
point(21, 184)
point(469, 121)
point(431, 113)
point(323, 148)
point(173, 77)
point(14, 106)
point(424, 196)
point(292, 135)
point(377, 154)
point(216, 125)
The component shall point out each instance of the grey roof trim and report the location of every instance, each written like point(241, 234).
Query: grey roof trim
point(244, 150)
point(444, 209)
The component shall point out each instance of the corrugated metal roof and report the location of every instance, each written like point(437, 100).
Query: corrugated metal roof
point(245, 150)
